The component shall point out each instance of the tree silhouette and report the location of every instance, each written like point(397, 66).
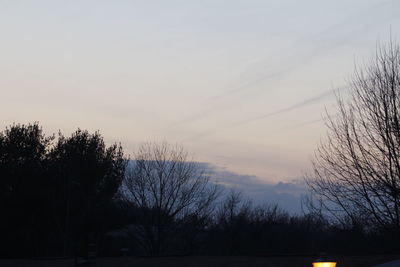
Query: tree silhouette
point(25, 188)
point(90, 175)
point(52, 192)
point(166, 187)
point(357, 169)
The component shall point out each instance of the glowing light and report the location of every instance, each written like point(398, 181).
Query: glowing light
point(324, 264)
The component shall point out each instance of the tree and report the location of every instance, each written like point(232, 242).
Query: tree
point(166, 187)
point(24, 189)
point(89, 175)
point(233, 219)
point(53, 193)
point(356, 170)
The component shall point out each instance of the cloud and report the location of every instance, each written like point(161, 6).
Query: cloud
point(338, 34)
point(288, 195)
point(298, 105)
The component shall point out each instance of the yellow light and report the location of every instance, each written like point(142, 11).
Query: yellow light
point(324, 264)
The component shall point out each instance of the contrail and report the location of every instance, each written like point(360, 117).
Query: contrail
point(309, 122)
point(295, 106)
point(289, 108)
point(292, 62)
point(295, 62)
point(316, 51)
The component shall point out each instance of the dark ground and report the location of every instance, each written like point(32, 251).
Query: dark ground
point(343, 261)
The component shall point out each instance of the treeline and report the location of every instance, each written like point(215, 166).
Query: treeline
point(74, 196)
point(238, 227)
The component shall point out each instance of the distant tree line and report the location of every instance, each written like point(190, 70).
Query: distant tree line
point(63, 196)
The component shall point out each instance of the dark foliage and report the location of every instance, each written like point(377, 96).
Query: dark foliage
point(52, 190)
point(26, 189)
point(89, 176)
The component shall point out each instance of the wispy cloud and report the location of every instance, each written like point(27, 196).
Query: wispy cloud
point(299, 105)
point(293, 60)
point(295, 106)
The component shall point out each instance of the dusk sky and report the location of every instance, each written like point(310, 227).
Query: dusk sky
point(242, 85)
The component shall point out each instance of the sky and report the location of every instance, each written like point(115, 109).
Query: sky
point(242, 85)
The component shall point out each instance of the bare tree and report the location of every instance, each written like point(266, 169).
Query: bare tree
point(356, 170)
point(233, 207)
point(166, 187)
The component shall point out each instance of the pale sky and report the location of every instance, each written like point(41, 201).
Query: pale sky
point(242, 85)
